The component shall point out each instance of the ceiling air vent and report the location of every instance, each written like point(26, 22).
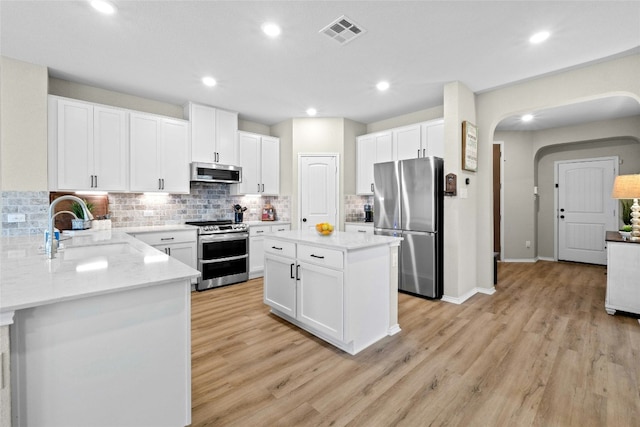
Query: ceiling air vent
point(343, 30)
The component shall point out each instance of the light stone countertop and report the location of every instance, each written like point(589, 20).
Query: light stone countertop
point(157, 228)
point(91, 263)
point(360, 223)
point(337, 240)
point(254, 223)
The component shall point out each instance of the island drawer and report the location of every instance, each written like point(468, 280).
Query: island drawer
point(320, 256)
point(277, 247)
point(167, 237)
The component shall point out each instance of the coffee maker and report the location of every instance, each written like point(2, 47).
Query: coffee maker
point(368, 213)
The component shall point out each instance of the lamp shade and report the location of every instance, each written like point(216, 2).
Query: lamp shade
point(626, 187)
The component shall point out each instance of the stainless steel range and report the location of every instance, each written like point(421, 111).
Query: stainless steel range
point(223, 253)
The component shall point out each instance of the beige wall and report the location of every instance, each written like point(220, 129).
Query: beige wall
point(406, 119)
point(248, 126)
point(284, 131)
point(618, 77)
point(351, 131)
point(23, 126)
point(115, 99)
point(528, 162)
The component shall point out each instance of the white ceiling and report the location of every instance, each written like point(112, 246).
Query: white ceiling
point(161, 49)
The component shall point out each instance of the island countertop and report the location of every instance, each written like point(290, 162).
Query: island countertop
point(90, 264)
point(337, 240)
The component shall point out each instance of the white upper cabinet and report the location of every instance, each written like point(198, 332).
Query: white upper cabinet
point(408, 142)
point(373, 148)
point(88, 146)
point(259, 157)
point(213, 134)
point(159, 154)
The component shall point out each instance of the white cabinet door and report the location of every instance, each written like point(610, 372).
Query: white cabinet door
point(174, 156)
point(407, 143)
point(226, 139)
point(110, 154)
point(145, 162)
point(365, 158)
point(75, 145)
point(280, 284)
point(256, 256)
point(249, 160)
point(320, 300)
point(183, 252)
point(270, 166)
point(433, 139)
point(384, 147)
point(203, 133)
point(159, 154)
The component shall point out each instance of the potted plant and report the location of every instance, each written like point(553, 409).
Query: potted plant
point(76, 208)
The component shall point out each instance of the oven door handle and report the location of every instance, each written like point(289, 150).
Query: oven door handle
point(231, 258)
point(212, 238)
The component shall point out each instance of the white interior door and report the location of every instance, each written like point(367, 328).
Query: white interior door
point(318, 192)
point(585, 209)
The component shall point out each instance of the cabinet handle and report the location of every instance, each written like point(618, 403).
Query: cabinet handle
point(276, 248)
point(259, 231)
point(159, 184)
point(263, 188)
point(258, 188)
point(372, 187)
point(424, 152)
point(169, 251)
point(96, 186)
point(291, 271)
point(280, 229)
point(362, 231)
point(298, 272)
point(91, 186)
point(163, 183)
point(166, 238)
point(418, 153)
point(317, 256)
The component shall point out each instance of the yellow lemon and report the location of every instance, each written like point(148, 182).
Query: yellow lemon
point(325, 227)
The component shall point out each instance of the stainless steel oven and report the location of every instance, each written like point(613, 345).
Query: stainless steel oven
point(223, 253)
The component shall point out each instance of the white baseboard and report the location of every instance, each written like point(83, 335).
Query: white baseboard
point(519, 260)
point(472, 292)
point(544, 258)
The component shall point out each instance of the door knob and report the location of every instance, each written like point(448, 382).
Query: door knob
point(561, 216)
point(304, 219)
point(561, 210)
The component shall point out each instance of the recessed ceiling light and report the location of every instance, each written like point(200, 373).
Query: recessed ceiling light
point(104, 6)
point(271, 29)
point(382, 86)
point(539, 37)
point(209, 81)
point(312, 112)
point(527, 117)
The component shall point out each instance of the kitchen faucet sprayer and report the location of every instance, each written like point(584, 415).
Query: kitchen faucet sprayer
point(49, 246)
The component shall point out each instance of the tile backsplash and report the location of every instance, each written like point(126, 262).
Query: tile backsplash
point(354, 207)
point(205, 202)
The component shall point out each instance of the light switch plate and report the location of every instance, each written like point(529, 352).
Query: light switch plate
point(16, 217)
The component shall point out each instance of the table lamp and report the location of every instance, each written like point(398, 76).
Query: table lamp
point(628, 187)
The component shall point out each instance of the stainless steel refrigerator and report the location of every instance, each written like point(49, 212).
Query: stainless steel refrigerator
point(408, 202)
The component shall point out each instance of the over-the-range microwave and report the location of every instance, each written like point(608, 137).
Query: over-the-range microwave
point(214, 172)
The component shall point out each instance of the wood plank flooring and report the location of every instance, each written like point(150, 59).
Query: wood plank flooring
point(541, 351)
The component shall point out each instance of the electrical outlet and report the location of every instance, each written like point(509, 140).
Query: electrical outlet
point(16, 218)
point(148, 213)
point(527, 243)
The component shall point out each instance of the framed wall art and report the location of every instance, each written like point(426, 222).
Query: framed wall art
point(469, 147)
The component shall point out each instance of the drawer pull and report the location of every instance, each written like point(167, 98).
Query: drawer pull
point(259, 231)
point(317, 256)
point(362, 231)
point(298, 272)
point(291, 271)
point(276, 248)
point(167, 238)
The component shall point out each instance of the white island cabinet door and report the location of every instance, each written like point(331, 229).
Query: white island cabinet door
point(321, 299)
point(280, 284)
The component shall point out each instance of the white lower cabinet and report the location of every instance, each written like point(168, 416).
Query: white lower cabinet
point(256, 246)
point(359, 228)
point(306, 283)
point(623, 286)
point(179, 244)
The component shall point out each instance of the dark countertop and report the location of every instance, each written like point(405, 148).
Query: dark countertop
point(614, 236)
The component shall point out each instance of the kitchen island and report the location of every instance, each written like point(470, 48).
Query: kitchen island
point(100, 335)
point(342, 288)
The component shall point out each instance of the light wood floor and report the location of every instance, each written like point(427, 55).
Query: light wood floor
point(541, 351)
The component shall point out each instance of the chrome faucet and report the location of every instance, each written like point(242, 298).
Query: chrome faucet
point(50, 246)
